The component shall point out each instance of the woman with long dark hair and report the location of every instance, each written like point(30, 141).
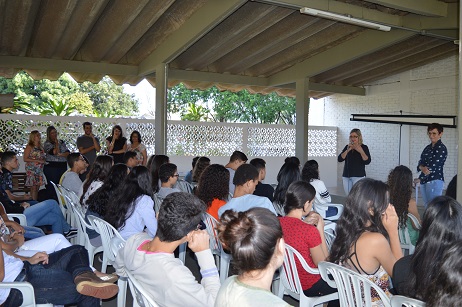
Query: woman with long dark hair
point(116, 144)
point(441, 227)
point(304, 230)
point(200, 166)
point(154, 164)
point(138, 147)
point(367, 234)
point(400, 187)
point(95, 177)
point(289, 172)
point(131, 209)
point(98, 201)
point(310, 174)
point(213, 188)
point(254, 238)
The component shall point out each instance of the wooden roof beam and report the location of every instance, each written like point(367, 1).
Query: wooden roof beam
point(202, 21)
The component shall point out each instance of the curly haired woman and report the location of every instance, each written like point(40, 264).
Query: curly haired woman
point(400, 189)
point(213, 188)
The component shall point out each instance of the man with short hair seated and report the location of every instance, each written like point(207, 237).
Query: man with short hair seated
point(245, 180)
point(71, 178)
point(152, 262)
point(168, 175)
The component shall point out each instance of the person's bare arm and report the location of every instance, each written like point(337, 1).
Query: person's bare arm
point(95, 143)
point(84, 150)
point(15, 197)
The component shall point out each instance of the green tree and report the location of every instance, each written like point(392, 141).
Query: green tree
point(195, 113)
point(228, 106)
point(65, 96)
point(110, 98)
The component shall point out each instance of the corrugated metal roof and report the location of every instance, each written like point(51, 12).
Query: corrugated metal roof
point(263, 46)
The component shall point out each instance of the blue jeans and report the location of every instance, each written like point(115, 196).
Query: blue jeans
point(348, 183)
point(54, 282)
point(430, 190)
point(33, 232)
point(47, 213)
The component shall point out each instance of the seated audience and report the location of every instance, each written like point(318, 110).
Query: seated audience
point(131, 159)
point(168, 175)
point(293, 160)
point(367, 239)
point(154, 164)
point(99, 200)
point(29, 232)
point(131, 207)
point(237, 159)
point(71, 178)
point(95, 177)
point(441, 227)
point(445, 289)
point(288, 173)
point(153, 264)
point(201, 164)
point(60, 278)
point(400, 187)
point(245, 179)
point(213, 188)
point(39, 214)
point(262, 189)
point(254, 238)
point(303, 230)
point(188, 177)
point(310, 174)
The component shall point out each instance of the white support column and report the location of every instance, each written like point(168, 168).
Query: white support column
point(161, 108)
point(459, 115)
point(301, 126)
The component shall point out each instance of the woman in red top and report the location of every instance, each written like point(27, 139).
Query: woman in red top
point(213, 188)
point(303, 229)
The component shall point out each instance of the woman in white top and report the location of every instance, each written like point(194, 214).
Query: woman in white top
point(254, 238)
point(131, 208)
point(310, 174)
point(137, 147)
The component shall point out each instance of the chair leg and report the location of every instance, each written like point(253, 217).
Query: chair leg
point(104, 265)
point(122, 295)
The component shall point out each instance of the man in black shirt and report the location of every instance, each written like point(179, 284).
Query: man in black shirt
point(262, 189)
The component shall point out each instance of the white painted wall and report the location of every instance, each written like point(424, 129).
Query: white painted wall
point(430, 89)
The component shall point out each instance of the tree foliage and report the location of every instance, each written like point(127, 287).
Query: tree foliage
point(65, 96)
point(226, 106)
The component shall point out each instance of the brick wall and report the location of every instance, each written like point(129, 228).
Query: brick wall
point(430, 89)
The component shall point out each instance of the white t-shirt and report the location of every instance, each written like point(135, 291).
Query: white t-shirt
point(13, 267)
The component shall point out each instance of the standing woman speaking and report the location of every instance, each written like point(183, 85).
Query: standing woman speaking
point(56, 157)
point(356, 156)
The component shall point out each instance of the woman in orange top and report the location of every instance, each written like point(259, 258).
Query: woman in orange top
point(213, 188)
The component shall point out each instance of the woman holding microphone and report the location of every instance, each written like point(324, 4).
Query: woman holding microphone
point(356, 156)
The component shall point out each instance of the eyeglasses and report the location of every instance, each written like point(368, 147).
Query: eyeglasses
point(176, 175)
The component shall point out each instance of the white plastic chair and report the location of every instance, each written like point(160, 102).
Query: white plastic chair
point(82, 226)
point(141, 297)
point(222, 259)
point(61, 199)
point(117, 244)
point(353, 288)
point(404, 238)
point(279, 208)
point(400, 301)
point(28, 295)
point(21, 218)
point(184, 186)
point(291, 280)
point(107, 233)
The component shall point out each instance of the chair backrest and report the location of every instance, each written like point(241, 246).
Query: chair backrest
point(353, 288)
point(107, 232)
point(27, 291)
point(184, 186)
point(290, 278)
point(81, 224)
point(211, 224)
point(405, 239)
point(400, 301)
point(157, 202)
point(61, 199)
point(19, 216)
point(140, 295)
point(279, 208)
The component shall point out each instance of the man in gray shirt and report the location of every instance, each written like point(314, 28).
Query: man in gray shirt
point(70, 179)
point(88, 145)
